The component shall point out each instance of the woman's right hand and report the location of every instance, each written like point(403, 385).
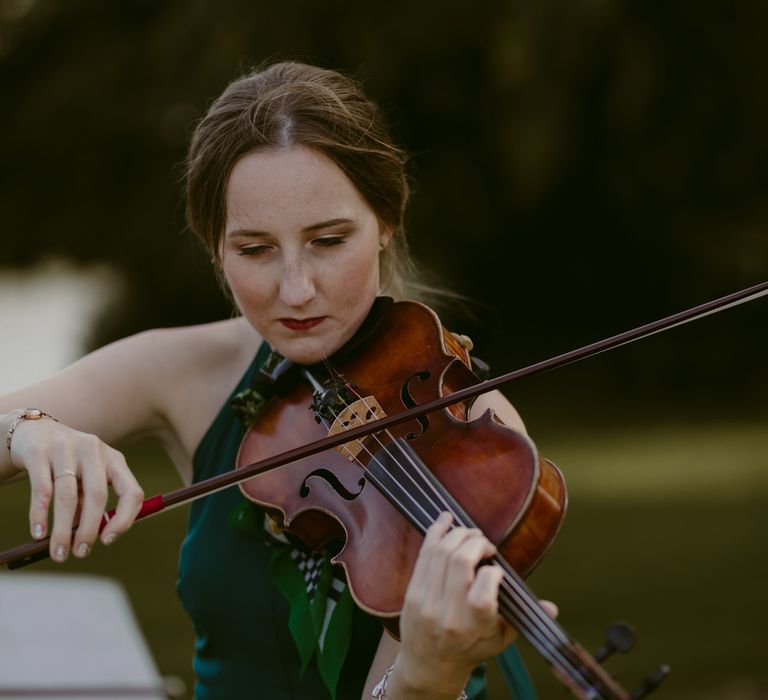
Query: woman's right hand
point(71, 471)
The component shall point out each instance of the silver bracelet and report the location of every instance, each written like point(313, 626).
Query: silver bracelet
point(26, 414)
point(380, 689)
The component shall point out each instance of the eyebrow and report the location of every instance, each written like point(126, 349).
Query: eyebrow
point(306, 229)
point(326, 224)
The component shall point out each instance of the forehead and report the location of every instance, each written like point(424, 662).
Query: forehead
point(291, 187)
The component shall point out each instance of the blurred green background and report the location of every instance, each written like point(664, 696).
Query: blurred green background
point(579, 169)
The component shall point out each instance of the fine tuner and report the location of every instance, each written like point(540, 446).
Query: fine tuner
point(621, 637)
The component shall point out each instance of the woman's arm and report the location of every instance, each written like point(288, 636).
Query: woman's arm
point(103, 398)
point(386, 653)
point(503, 409)
point(111, 393)
point(164, 384)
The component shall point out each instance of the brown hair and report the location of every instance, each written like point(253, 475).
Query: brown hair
point(290, 104)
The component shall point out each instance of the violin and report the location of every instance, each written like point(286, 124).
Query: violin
point(381, 469)
point(379, 494)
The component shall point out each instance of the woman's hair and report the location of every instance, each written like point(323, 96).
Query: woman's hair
point(295, 104)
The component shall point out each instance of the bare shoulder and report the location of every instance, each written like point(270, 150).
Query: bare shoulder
point(503, 409)
point(210, 347)
point(216, 352)
point(193, 371)
point(169, 362)
point(163, 383)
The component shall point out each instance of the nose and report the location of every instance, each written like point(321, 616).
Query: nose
point(297, 286)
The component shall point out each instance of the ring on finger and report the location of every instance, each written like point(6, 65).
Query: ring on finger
point(65, 472)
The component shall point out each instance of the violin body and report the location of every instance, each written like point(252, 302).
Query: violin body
point(494, 472)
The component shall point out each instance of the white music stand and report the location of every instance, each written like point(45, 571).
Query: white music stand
point(74, 637)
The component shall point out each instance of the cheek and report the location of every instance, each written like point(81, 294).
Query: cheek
point(243, 285)
point(357, 283)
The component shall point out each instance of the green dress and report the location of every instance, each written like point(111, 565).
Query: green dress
point(243, 646)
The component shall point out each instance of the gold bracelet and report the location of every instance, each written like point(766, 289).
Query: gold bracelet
point(380, 689)
point(26, 414)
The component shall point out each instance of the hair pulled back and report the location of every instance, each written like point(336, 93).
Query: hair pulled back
point(296, 104)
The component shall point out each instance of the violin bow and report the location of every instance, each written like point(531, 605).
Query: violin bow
point(35, 551)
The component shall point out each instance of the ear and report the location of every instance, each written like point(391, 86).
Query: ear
point(385, 236)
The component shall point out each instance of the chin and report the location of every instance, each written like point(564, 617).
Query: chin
point(307, 352)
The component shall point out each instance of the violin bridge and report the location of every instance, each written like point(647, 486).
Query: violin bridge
point(359, 412)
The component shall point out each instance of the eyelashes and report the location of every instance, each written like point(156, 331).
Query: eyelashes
point(324, 242)
point(253, 250)
point(329, 241)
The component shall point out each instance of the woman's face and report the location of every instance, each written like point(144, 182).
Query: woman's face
point(300, 251)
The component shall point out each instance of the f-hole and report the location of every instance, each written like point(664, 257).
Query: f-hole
point(333, 482)
point(409, 402)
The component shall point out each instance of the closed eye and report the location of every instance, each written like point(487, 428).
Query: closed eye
point(253, 250)
point(329, 241)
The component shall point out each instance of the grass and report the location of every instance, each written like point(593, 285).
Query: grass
point(666, 529)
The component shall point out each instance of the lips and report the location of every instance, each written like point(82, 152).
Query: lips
point(303, 324)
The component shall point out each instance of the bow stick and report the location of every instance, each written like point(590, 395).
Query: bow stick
point(35, 551)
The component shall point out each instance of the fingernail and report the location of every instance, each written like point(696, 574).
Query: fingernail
point(60, 553)
point(37, 531)
point(110, 538)
point(83, 549)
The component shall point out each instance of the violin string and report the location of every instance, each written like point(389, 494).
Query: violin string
point(386, 491)
point(543, 632)
point(427, 517)
point(434, 499)
point(537, 633)
point(440, 500)
point(546, 636)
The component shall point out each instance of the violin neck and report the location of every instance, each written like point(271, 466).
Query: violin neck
point(573, 665)
point(398, 473)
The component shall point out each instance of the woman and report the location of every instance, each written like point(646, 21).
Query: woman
point(298, 194)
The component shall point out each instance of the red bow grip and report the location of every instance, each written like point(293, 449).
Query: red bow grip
point(38, 550)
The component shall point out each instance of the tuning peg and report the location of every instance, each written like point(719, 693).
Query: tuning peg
point(651, 683)
point(620, 636)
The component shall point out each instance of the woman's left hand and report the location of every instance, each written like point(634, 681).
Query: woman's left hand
point(450, 622)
